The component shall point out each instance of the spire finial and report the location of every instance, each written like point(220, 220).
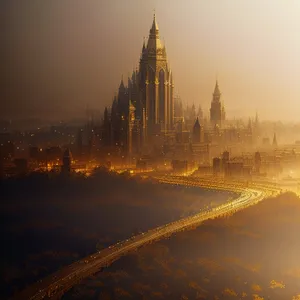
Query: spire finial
point(154, 29)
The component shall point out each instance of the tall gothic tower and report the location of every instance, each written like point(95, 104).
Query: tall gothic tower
point(156, 85)
point(217, 111)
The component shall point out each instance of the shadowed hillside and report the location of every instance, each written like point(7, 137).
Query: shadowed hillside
point(49, 221)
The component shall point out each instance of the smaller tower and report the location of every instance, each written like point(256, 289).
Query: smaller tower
point(197, 132)
point(217, 110)
point(225, 160)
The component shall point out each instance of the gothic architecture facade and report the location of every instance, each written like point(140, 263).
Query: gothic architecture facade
point(145, 107)
point(156, 85)
point(146, 119)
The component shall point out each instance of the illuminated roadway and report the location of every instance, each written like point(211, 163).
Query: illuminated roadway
point(55, 285)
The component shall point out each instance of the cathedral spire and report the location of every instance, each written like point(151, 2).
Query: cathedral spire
point(197, 123)
point(154, 28)
point(154, 44)
point(217, 90)
point(144, 43)
point(122, 86)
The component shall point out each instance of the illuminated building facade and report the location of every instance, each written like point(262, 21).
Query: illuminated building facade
point(149, 96)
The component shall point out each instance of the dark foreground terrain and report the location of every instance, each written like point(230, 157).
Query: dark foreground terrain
point(255, 254)
point(49, 222)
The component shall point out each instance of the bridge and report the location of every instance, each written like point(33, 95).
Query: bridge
point(55, 285)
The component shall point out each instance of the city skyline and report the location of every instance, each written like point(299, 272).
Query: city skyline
point(139, 141)
point(263, 82)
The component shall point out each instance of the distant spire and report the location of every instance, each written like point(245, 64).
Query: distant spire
point(129, 80)
point(154, 28)
point(197, 123)
point(122, 86)
point(144, 43)
point(217, 90)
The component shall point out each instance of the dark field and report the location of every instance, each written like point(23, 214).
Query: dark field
point(255, 254)
point(48, 223)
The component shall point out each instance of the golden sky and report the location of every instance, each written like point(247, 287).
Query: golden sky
point(65, 54)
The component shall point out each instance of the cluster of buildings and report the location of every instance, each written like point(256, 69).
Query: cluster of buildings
point(146, 121)
point(147, 127)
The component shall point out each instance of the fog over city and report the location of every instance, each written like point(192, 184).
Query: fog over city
point(149, 149)
point(60, 56)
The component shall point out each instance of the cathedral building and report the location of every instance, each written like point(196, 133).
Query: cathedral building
point(156, 85)
point(147, 119)
point(145, 107)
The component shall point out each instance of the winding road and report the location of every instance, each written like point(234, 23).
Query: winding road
point(55, 285)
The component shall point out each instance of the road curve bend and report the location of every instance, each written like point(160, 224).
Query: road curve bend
point(55, 285)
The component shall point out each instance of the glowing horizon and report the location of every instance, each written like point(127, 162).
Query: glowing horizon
point(64, 61)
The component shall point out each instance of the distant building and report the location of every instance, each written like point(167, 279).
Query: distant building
point(144, 163)
point(21, 167)
point(204, 170)
point(216, 166)
point(67, 162)
point(237, 170)
point(53, 154)
point(34, 153)
point(225, 160)
point(180, 166)
point(257, 162)
point(197, 135)
point(144, 108)
point(217, 110)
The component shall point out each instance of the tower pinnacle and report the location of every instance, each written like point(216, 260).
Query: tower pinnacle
point(217, 90)
point(154, 28)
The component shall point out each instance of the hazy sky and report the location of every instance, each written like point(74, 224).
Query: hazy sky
point(59, 55)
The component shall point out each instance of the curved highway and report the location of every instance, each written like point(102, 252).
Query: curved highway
point(54, 286)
